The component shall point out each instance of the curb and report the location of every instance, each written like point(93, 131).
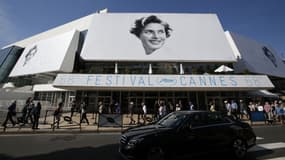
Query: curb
point(64, 131)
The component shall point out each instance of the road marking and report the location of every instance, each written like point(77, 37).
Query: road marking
point(278, 158)
point(267, 146)
point(259, 138)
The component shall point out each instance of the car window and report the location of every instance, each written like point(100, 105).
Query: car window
point(197, 119)
point(213, 118)
point(172, 120)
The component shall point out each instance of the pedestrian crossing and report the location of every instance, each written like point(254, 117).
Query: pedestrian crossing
point(259, 138)
point(278, 158)
point(268, 146)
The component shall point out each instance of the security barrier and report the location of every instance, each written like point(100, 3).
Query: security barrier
point(97, 121)
point(110, 120)
point(257, 117)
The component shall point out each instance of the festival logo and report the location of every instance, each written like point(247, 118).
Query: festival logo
point(269, 55)
point(32, 52)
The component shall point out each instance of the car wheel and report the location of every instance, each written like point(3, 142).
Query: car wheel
point(155, 153)
point(239, 148)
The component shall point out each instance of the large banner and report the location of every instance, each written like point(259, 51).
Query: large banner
point(256, 57)
point(156, 37)
point(154, 82)
point(53, 54)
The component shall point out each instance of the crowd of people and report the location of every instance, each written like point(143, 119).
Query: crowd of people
point(157, 111)
point(274, 111)
point(30, 114)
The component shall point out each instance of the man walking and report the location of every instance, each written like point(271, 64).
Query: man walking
point(10, 114)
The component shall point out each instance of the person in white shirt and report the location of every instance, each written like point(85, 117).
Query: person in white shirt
point(144, 109)
point(260, 107)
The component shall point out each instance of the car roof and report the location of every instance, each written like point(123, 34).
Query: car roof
point(193, 111)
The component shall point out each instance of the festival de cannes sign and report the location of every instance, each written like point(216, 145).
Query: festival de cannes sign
point(125, 81)
point(156, 37)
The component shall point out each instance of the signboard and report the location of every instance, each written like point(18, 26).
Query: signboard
point(156, 37)
point(257, 116)
point(125, 81)
point(49, 55)
point(110, 120)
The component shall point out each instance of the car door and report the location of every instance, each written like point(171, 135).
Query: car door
point(194, 136)
point(219, 131)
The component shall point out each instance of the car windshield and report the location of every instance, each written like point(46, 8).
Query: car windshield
point(172, 120)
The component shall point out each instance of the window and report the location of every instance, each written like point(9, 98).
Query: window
point(197, 120)
point(8, 58)
point(172, 120)
point(213, 118)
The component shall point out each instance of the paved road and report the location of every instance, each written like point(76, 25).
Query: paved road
point(59, 146)
point(97, 146)
point(270, 143)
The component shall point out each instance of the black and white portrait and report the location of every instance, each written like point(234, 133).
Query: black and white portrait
point(156, 37)
point(152, 31)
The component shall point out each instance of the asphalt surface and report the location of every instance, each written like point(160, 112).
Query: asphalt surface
point(104, 145)
point(83, 141)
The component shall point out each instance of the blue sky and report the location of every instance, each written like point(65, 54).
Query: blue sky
point(261, 20)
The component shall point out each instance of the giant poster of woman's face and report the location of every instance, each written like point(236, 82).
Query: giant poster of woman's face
point(152, 31)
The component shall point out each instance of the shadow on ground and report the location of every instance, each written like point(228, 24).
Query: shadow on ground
point(107, 152)
point(110, 152)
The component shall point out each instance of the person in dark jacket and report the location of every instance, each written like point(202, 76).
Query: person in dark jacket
point(73, 109)
point(84, 113)
point(10, 114)
point(36, 114)
point(24, 118)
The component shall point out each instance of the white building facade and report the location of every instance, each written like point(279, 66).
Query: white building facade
point(97, 58)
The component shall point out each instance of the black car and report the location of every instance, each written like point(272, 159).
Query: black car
point(182, 134)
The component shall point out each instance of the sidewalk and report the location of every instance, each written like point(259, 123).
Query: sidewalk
point(76, 127)
point(68, 127)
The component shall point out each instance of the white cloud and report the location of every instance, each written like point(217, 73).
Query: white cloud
point(7, 29)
